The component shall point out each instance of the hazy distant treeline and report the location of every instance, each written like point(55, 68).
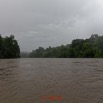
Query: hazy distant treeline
point(79, 48)
point(9, 47)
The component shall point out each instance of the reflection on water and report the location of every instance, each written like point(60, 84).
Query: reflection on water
point(75, 80)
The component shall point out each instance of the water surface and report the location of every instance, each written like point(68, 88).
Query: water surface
point(75, 80)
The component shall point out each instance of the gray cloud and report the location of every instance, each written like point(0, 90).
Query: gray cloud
point(50, 22)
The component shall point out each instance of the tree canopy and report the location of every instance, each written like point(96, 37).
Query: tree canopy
point(79, 48)
point(9, 47)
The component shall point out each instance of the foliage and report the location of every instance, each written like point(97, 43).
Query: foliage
point(9, 47)
point(79, 48)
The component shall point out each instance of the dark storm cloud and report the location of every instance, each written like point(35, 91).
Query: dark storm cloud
point(50, 22)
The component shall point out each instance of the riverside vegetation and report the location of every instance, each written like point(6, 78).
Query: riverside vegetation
point(9, 47)
point(79, 48)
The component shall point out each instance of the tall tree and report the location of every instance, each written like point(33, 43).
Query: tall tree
point(9, 47)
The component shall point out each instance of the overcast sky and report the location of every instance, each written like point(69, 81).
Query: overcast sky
point(50, 22)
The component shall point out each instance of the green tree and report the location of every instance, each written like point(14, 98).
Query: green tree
point(79, 48)
point(9, 47)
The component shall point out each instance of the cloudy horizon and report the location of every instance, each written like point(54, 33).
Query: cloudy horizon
point(50, 22)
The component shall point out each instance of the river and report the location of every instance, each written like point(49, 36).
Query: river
point(51, 80)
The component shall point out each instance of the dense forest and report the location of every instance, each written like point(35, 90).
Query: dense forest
point(79, 48)
point(9, 47)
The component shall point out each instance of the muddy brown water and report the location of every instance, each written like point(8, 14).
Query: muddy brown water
point(74, 80)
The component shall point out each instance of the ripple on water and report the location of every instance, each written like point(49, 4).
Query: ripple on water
point(76, 80)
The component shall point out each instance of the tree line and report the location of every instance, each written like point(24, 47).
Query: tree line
point(9, 47)
point(79, 48)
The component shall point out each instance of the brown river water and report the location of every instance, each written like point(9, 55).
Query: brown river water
point(36, 80)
